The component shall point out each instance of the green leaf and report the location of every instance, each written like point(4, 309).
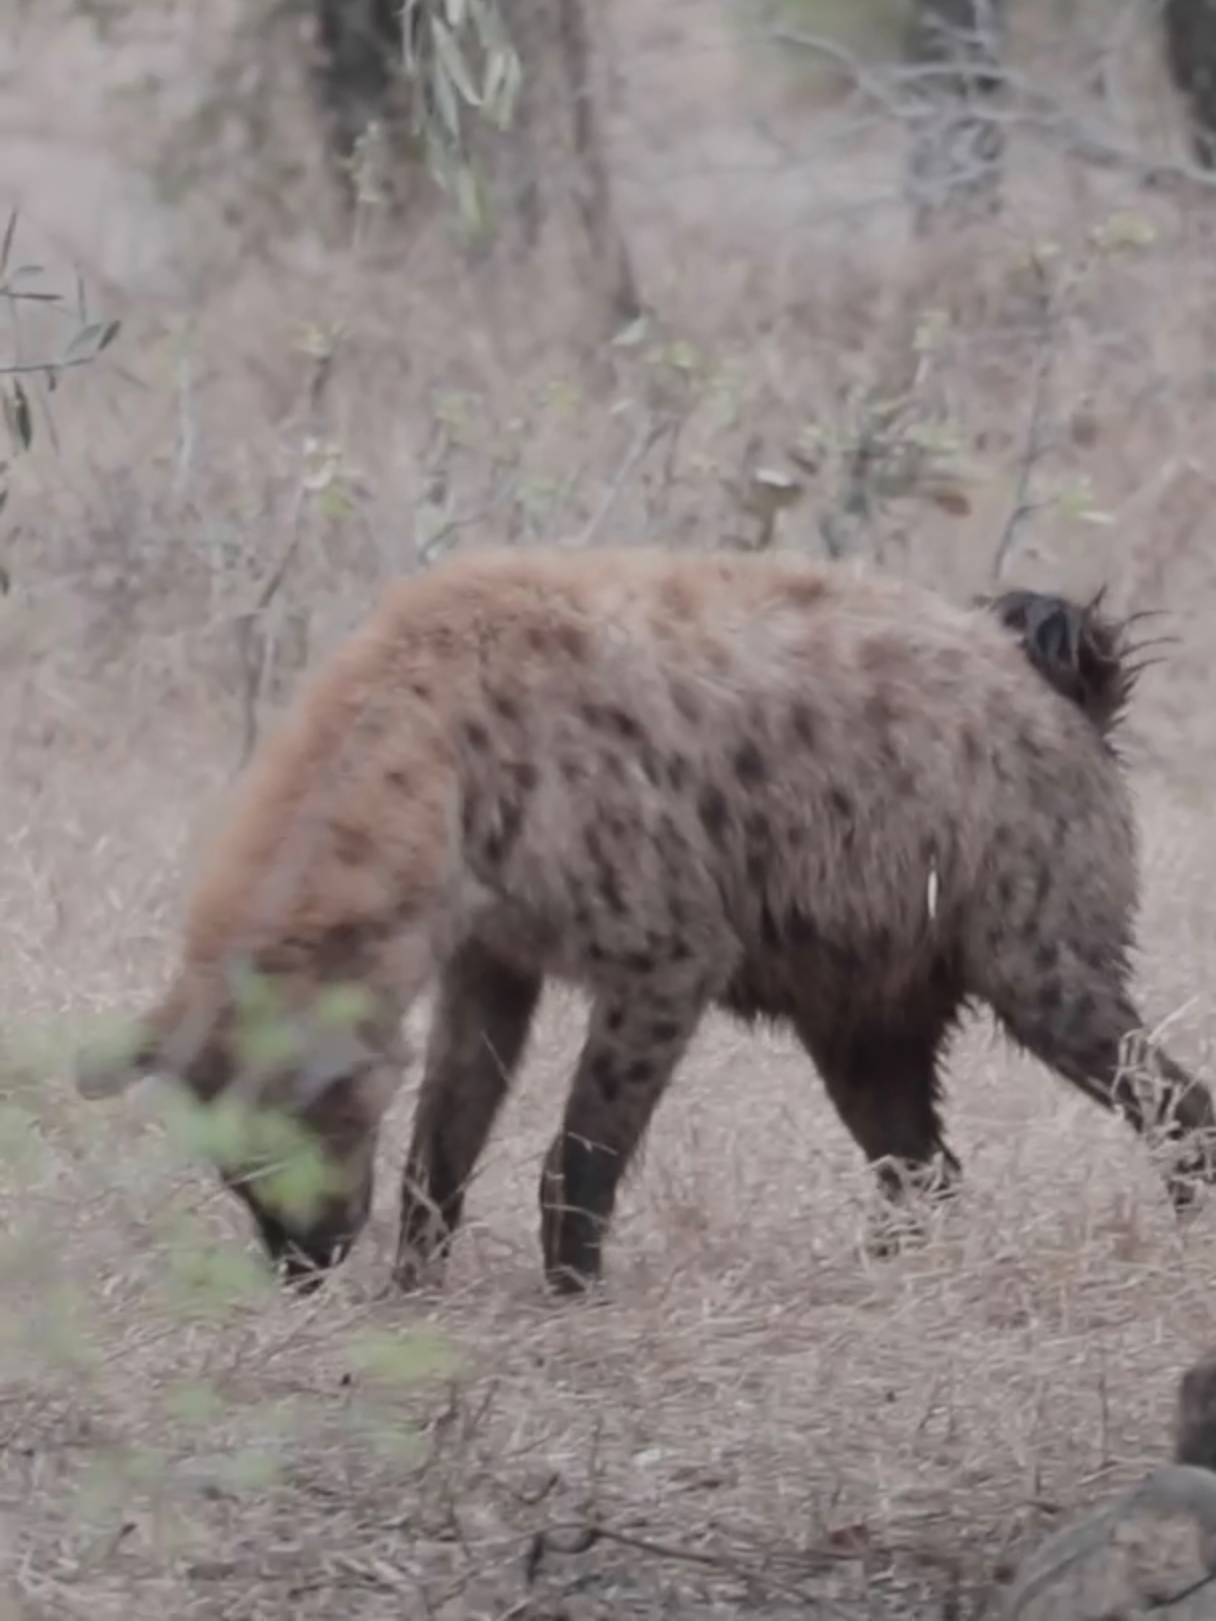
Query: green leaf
point(91, 340)
point(449, 52)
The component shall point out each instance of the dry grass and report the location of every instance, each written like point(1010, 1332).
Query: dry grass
point(757, 1419)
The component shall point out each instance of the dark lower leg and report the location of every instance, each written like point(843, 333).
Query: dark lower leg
point(631, 1050)
point(482, 1017)
point(883, 1080)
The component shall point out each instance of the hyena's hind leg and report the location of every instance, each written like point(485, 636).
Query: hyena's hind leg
point(882, 1075)
point(483, 1014)
point(634, 1041)
point(1075, 1014)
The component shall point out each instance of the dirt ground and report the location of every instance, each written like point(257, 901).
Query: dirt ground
point(757, 1419)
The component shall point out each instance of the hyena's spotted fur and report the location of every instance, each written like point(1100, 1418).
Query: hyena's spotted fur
point(810, 793)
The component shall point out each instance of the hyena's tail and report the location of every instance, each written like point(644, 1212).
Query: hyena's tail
point(1085, 654)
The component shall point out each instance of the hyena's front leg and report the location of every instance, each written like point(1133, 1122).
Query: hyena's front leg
point(634, 1042)
point(483, 1013)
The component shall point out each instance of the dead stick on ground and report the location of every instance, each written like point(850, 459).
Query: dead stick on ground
point(584, 1537)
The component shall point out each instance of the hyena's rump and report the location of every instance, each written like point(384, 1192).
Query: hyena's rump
point(804, 792)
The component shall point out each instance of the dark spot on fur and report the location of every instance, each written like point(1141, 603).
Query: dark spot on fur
point(652, 766)
point(505, 708)
point(757, 868)
point(623, 724)
point(603, 1074)
point(1046, 957)
point(524, 775)
point(502, 839)
point(904, 784)
point(1005, 890)
point(800, 929)
point(639, 962)
point(680, 951)
point(353, 846)
point(841, 803)
point(714, 813)
point(757, 828)
point(686, 703)
point(610, 891)
point(664, 1031)
point(615, 1019)
point(803, 723)
point(608, 883)
point(750, 766)
point(571, 640)
point(973, 748)
point(677, 771)
point(639, 1072)
point(476, 735)
point(398, 781)
point(1049, 998)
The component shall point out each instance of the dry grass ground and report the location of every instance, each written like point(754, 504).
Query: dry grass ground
point(757, 1419)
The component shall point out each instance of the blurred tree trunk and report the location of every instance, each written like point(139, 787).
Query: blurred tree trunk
point(548, 173)
point(357, 79)
point(957, 149)
point(1190, 52)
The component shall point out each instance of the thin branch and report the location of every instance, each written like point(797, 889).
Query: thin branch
point(647, 437)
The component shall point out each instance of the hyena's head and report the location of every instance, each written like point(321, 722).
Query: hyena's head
point(313, 1072)
point(1086, 655)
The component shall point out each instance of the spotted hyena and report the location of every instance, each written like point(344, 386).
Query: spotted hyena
point(816, 794)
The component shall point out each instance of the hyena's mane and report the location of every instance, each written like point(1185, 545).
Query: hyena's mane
point(1083, 652)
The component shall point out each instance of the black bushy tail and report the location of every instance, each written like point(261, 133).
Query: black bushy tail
point(1081, 652)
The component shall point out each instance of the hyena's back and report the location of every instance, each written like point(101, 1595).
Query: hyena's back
point(662, 758)
point(664, 741)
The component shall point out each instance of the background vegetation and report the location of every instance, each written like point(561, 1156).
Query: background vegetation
point(297, 297)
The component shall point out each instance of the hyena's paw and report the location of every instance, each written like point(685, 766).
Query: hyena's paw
point(910, 1197)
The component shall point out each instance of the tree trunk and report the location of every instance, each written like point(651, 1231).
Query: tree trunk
point(957, 150)
point(554, 212)
point(1190, 53)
